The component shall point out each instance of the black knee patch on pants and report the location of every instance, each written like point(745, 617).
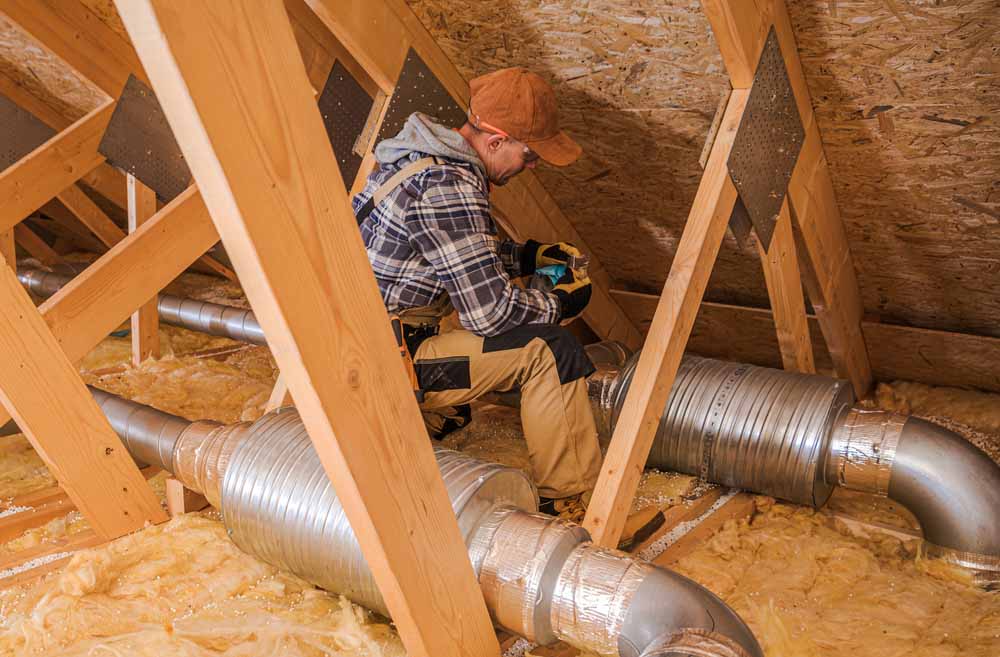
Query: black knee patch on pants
point(437, 374)
point(572, 361)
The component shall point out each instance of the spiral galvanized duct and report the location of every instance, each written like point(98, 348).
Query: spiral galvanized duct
point(796, 436)
point(540, 576)
point(204, 316)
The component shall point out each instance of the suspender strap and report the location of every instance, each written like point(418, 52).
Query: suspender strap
point(411, 169)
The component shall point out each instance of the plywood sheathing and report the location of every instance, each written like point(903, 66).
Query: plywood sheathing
point(907, 99)
point(46, 77)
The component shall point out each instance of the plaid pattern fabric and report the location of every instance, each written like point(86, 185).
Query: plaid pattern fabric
point(434, 234)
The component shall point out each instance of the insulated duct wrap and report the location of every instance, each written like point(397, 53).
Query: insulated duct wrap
point(592, 596)
point(518, 557)
point(862, 450)
point(279, 505)
point(742, 426)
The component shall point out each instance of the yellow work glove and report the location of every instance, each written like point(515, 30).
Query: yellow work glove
point(573, 291)
point(535, 255)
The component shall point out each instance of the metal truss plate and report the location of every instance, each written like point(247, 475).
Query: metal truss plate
point(344, 106)
point(768, 142)
point(20, 132)
point(418, 90)
point(139, 141)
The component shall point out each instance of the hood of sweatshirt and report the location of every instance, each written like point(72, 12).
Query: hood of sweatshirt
point(422, 135)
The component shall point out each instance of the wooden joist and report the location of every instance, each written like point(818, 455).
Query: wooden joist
point(667, 337)
point(182, 500)
point(236, 94)
point(52, 167)
point(528, 207)
point(145, 320)
point(41, 389)
point(280, 396)
point(739, 507)
point(741, 28)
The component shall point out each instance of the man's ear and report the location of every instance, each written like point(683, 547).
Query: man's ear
point(494, 142)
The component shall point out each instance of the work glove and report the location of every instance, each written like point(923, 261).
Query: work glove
point(535, 255)
point(573, 291)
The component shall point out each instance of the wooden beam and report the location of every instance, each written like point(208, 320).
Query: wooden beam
point(95, 302)
point(36, 247)
point(661, 355)
point(79, 37)
point(280, 395)
point(83, 208)
point(784, 287)
point(258, 150)
point(182, 500)
point(741, 27)
point(41, 389)
point(907, 353)
point(740, 507)
point(52, 167)
point(523, 201)
point(145, 320)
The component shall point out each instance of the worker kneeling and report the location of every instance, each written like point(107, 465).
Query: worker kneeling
point(425, 218)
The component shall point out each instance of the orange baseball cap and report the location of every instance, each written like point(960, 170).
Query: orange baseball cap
point(523, 105)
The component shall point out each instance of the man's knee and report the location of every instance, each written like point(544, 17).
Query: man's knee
point(570, 358)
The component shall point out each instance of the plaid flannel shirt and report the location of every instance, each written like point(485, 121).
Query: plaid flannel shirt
point(434, 234)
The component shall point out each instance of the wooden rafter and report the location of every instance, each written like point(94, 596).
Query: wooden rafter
point(8, 249)
point(256, 146)
point(528, 207)
point(36, 247)
point(41, 389)
point(661, 356)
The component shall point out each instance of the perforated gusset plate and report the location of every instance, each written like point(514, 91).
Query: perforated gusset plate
point(139, 141)
point(418, 90)
point(20, 132)
point(768, 142)
point(344, 106)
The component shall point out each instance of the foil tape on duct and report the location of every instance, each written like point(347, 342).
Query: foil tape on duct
point(278, 504)
point(745, 427)
point(518, 557)
point(863, 449)
point(592, 596)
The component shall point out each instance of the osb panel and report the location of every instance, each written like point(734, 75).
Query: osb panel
point(908, 99)
point(918, 187)
point(44, 76)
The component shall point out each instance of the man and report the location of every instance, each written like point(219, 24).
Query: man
point(425, 218)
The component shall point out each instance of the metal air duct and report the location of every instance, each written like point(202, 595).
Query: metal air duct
point(540, 576)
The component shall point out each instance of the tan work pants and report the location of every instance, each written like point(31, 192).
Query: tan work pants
point(549, 367)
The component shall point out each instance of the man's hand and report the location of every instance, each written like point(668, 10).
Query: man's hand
point(573, 291)
point(535, 255)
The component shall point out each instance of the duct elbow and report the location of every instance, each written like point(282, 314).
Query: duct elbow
point(953, 489)
point(672, 615)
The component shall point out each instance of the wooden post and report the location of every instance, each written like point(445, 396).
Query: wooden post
point(784, 287)
point(667, 337)
point(41, 389)
point(280, 396)
point(236, 94)
point(145, 320)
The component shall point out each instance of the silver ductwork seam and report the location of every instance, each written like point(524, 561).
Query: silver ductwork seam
point(540, 576)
